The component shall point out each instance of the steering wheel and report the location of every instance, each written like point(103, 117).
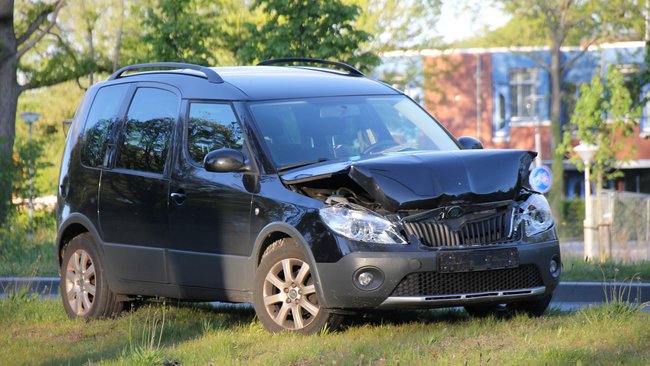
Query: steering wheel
point(379, 146)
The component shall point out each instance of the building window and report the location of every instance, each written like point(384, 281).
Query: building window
point(522, 90)
point(645, 117)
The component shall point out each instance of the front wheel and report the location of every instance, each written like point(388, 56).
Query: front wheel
point(533, 308)
point(285, 296)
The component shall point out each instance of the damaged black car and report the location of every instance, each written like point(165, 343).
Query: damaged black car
point(298, 185)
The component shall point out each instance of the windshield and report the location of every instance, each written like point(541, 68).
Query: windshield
point(300, 132)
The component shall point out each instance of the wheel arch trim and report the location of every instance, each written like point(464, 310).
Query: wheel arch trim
point(292, 232)
point(71, 221)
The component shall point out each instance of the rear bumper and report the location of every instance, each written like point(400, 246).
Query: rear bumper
point(412, 279)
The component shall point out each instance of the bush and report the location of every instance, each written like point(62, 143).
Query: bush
point(25, 250)
point(573, 211)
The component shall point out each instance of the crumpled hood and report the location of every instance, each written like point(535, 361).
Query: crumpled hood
point(432, 179)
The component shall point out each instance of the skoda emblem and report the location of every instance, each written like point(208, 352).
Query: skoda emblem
point(454, 212)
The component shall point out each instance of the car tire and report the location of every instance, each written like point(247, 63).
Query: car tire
point(483, 311)
point(84, 290)
point(533, 308)
point(284, 294)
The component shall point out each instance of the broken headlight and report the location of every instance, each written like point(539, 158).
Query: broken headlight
point(357, 223)
point(535, 213)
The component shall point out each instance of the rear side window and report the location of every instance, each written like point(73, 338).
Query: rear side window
point(101, 119)
point(147, 130)
point(212, 126)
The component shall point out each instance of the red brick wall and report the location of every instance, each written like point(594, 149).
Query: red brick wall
point(450, 92)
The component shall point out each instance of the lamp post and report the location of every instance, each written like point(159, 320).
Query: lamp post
point(586, 152)
point(30, 118)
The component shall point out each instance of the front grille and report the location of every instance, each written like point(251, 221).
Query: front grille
point(495, 229)
point(435, 283)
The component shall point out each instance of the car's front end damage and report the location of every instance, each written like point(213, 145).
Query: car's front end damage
point(433, 229)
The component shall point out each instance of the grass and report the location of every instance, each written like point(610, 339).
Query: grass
point(576, 269)
point(38, 332)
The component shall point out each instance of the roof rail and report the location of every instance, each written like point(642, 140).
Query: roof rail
point(210, 74)
point(352, 70)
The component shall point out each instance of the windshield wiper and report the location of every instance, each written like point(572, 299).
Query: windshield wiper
point(304, 163)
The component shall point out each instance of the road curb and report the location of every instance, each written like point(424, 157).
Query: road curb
point(45, 286)
point(566, 292)
point(602, 292)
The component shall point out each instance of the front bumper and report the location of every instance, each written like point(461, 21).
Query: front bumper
point(413, 279)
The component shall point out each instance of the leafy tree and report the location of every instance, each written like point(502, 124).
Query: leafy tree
point(312, 28)
point(603, 114)
point(18, 35)
point(562, 22)
point(177, 30)
point(400, 24)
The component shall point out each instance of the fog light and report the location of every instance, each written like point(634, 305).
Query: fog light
point(368, 278)
point(554, 267)
point(365, 278)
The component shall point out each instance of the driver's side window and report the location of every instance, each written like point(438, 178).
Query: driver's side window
point(212, 126)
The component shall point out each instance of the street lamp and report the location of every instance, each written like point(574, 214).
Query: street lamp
point(30, 118)
point(586, 152)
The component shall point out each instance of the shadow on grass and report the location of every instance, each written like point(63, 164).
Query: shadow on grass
point(443, 315)
point(152, 327)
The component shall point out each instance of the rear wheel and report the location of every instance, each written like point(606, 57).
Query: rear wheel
point(285, 297)
point(84, 290)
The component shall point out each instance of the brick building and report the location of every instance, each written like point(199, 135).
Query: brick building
point(501, 95)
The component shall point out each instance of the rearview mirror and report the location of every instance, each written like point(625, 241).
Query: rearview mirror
point(224, 160)
point(470, 143)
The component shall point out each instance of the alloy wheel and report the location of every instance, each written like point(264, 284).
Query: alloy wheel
point(80, 282)
point(290, 295)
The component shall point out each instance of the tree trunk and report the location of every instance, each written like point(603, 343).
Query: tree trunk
point(557, 193)
point(9, 91)
point(118, 43)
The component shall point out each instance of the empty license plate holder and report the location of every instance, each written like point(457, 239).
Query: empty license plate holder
point(477, 260)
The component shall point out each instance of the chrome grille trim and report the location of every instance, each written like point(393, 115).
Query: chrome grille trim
point(495, 229)
point(459, 299)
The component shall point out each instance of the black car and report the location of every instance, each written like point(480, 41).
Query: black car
point(307, 189)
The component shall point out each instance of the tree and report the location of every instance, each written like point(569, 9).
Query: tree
point(603, 114)
point(313, 28)
point(178, 30)
point(400, 24)
point(561, 21)
point(16, 40)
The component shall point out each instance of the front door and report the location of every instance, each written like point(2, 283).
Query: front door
point(133, 198)
point(209, 212)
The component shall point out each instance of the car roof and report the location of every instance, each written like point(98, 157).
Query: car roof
point(263, 83)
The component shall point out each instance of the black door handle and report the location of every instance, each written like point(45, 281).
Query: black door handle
point(179, 197)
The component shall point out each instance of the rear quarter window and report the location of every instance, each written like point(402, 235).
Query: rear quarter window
point(102, 117)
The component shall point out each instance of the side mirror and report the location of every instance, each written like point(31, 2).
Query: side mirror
point(469, 143)
point(224, 160)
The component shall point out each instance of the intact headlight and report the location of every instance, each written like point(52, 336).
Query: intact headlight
point(356, 223)
point(535, 214)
